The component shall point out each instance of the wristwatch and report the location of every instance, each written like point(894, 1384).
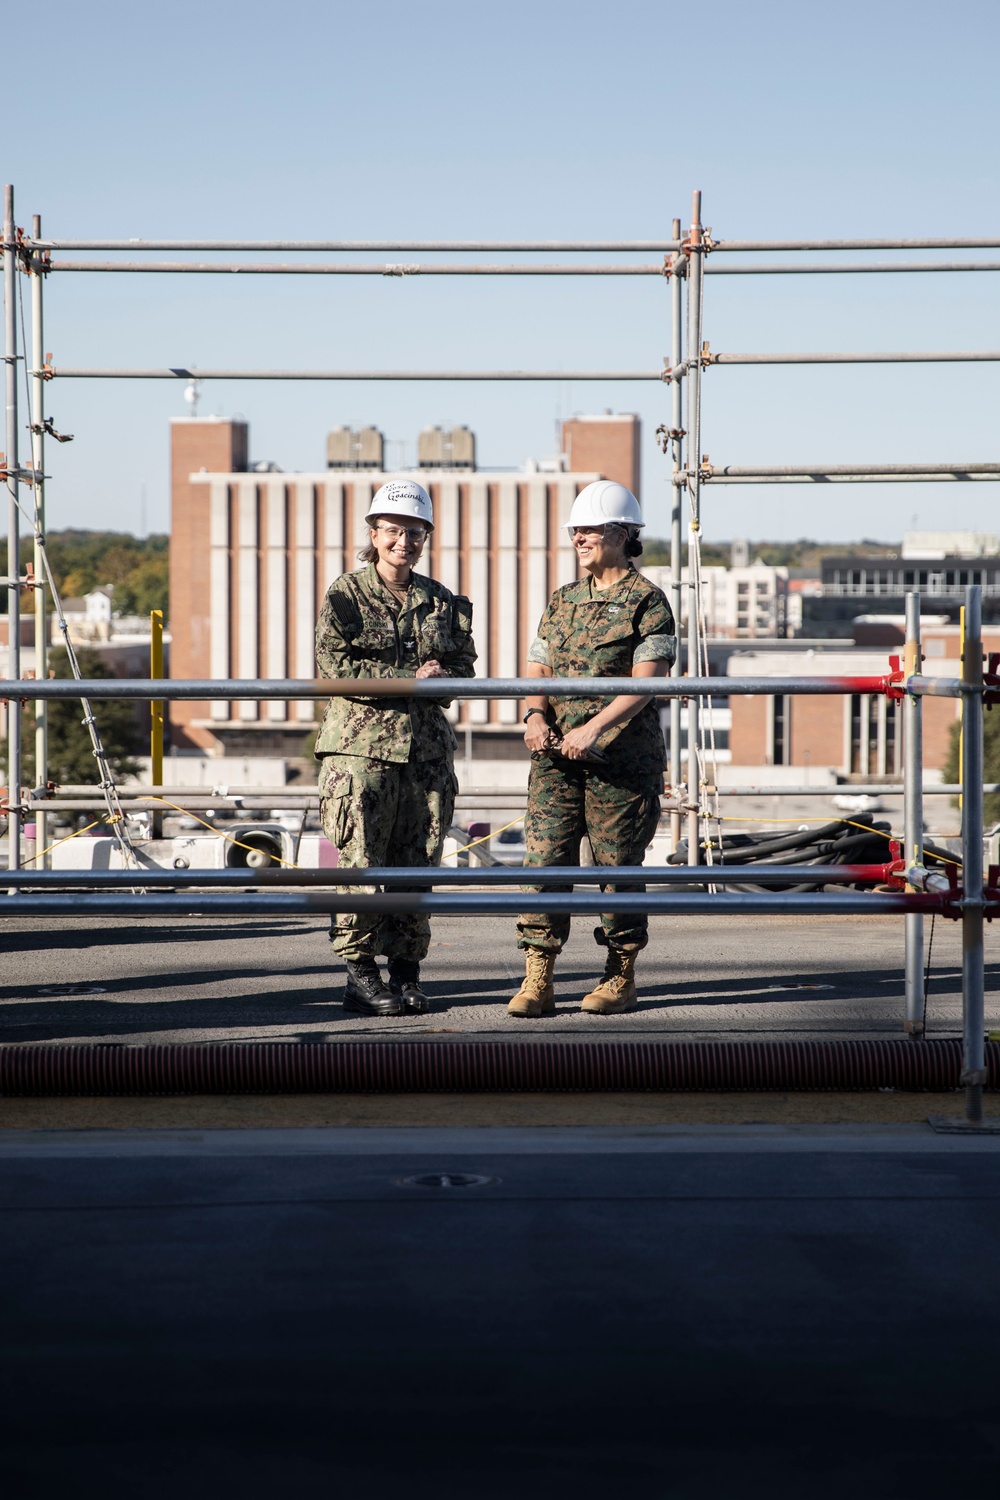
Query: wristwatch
point(531, 711)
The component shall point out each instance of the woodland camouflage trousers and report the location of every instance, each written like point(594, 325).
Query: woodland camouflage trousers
point(567, 800)
point(379, 812)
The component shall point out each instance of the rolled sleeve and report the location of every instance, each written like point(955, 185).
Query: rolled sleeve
point(656, 648)
point(539, 652)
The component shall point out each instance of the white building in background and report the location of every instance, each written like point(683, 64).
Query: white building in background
point(937, 544)
point(748, 603)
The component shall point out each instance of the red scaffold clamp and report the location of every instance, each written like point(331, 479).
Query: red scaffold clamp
point(892, 685)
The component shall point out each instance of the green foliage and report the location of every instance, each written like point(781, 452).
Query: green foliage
point(991, 761)
point(136, 567)
point(71, 755)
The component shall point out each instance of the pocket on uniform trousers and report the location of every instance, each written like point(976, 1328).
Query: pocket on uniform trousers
point(336, 788)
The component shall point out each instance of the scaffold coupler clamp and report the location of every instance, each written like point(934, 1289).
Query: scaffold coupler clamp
point(895, 873)
point(892, 685)
point(6, 806)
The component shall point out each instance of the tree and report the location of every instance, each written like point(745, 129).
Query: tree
point(71, 754)
point(991, 760)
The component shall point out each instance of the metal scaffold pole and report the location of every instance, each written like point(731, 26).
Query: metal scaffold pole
point(676, 440)
point(974, 1074)
point(913, 821)
point(38, 464)
point(695, 267)
point(13, 532)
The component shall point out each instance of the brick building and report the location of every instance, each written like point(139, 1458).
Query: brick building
point(252, 554)
point(853, 734)
point(608, 444)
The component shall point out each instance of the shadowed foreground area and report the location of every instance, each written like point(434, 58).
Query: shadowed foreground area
point(685, 1312)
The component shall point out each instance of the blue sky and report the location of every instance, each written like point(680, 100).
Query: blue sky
point(539, 119)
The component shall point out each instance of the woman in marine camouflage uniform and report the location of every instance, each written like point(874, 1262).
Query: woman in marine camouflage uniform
point(387, 779)
point(596, 763)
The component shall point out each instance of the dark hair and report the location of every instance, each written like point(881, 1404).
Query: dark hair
point(367, 553)
point(632, 545)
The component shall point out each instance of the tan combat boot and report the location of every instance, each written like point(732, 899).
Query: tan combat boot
point(616, 991)
point(535, 997)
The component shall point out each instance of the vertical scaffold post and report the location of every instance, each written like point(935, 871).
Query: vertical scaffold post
point(41, 589)
point(156, 715)
point(13, 532)
point(676, 509)
point(695, 283)
point(913, 820)
point(973, 1012)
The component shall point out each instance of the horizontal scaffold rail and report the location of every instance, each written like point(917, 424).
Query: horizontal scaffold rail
point(481, 903)
point(400, 269)
point(414, 247)
point(181, 372)
point(839, 473)
point(254, 800)
point(860, 268)
point(153, 689)
point(854, 357)
point(405, 247)
point(406, 877)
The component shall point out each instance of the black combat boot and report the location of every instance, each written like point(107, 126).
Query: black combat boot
point(366, 993)
point(404, 981)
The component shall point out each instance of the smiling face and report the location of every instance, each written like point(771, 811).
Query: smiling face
point(398, 540)
point(600, 547)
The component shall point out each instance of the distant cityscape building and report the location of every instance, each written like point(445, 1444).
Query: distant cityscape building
point(740, 603)
point(940, 544)
point(851, 586)
point(857, 734)
point(251, 557)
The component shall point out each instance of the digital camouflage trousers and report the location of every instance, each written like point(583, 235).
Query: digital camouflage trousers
point(566, 801)
point(378, 812)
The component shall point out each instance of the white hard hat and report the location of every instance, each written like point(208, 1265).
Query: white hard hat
point(402, 497)
point(605, 503)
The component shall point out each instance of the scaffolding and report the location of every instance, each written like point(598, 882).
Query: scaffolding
point(684, 267)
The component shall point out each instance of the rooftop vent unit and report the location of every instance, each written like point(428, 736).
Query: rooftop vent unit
point(446, 448)
point(350, 448)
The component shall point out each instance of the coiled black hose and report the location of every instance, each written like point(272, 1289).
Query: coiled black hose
point(837, 843)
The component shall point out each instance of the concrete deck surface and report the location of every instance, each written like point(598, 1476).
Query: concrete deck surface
point(687, 1313)
point(203, 979)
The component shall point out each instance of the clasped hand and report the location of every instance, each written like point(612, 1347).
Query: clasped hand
point(431, 669)
point(575, 745)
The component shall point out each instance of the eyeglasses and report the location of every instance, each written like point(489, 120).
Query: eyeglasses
point(597, 532)
point(414, 534)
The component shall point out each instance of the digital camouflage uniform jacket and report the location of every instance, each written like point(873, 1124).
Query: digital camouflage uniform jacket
point(360, 634)
point(588, 632)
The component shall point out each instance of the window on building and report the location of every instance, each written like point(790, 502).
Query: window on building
point(875, 737)
point(780, 714)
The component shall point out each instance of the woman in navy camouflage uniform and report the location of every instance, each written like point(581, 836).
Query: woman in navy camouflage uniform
point(387, 778)
point(596, 763)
